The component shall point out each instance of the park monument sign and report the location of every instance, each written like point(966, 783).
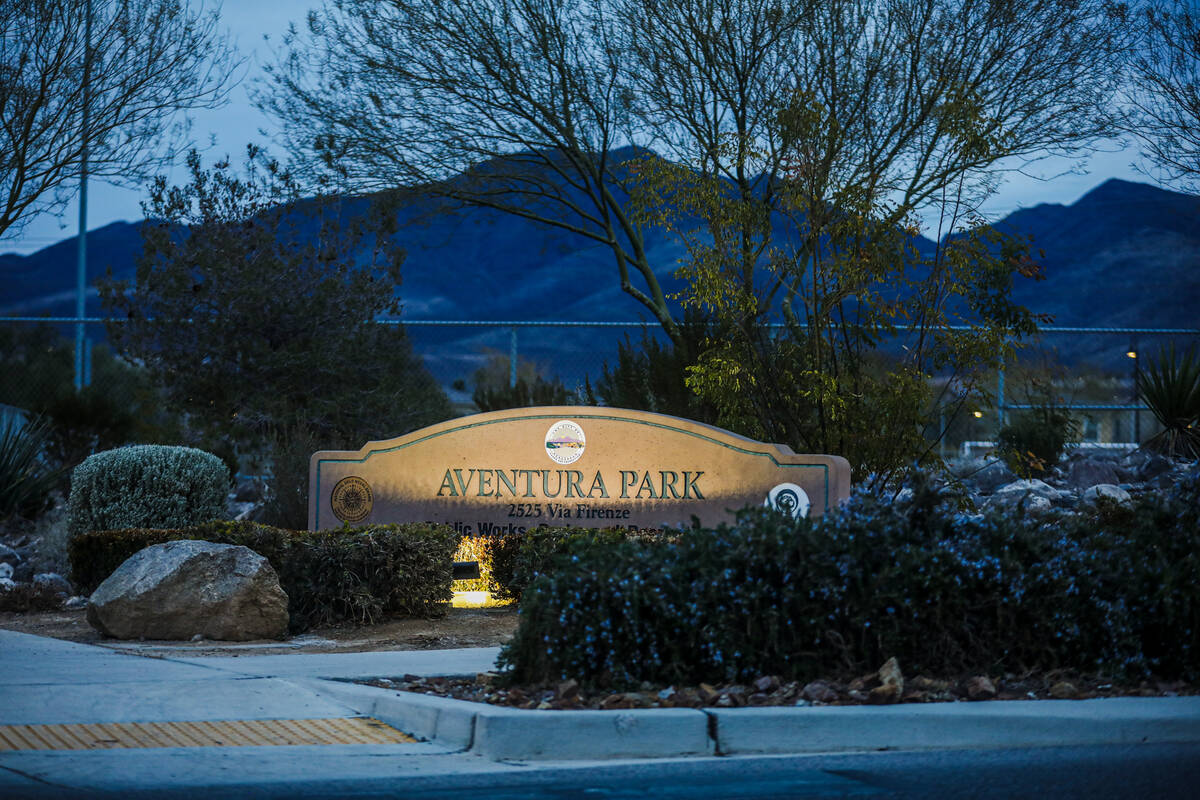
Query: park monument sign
point(508, 471)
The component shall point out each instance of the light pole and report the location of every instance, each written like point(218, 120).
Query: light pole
point(1132, 353)
point(81, 253)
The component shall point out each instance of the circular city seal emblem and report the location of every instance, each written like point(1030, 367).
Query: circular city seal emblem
point(351, 499)
point(788, 498)
point(565, 442)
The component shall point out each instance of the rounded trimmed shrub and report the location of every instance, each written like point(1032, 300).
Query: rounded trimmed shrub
point(146, 486)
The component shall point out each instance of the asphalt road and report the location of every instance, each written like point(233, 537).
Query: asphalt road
point(1144, 771)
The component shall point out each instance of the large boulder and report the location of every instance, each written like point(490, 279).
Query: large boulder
point(1084, 472)
point(1106, 490)
point(1142, 465)
point(1032, 494)
point(181, 589)
point(986, 476)
point(9, 556)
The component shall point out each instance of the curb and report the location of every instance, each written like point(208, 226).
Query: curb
point(932, 726)
point(502, 734)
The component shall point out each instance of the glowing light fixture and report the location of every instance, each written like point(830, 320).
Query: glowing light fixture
point(1132, 354)
point(978, 414)
point(471, 599)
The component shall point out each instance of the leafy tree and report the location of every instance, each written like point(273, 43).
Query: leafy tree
point(257, 310)
point(536, 107)
point(120, 406)
point(146, 62)
point(828, 322)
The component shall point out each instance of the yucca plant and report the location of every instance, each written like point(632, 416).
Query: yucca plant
point(25, 477)
point(1170, 387)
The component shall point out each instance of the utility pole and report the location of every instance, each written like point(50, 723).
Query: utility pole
point(81, 261)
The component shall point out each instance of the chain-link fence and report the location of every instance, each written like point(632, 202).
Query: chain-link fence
point(1092, 371)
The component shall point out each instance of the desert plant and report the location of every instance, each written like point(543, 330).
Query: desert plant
point(1170, 387)
point(25, 477)
point(146, 486)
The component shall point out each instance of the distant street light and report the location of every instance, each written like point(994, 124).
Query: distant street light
point(1137, 379)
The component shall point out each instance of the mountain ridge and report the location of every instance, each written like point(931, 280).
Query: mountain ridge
point(1124, 254)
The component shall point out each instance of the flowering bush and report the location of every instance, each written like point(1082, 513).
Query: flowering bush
point(942, 590)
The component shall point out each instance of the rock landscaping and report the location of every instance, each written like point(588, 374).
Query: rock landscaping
point(1080, 477)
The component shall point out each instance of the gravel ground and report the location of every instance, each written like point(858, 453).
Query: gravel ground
point(885, 687)
point(460, 627)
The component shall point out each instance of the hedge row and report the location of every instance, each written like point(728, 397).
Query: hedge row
point(349, 574)
point(509, 562)
point(1115, 591)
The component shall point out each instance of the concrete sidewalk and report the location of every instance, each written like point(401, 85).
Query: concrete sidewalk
point(50, 682)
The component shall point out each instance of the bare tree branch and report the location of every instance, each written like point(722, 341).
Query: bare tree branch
point(535, 107)
point(148, 62)
point(1165, 96)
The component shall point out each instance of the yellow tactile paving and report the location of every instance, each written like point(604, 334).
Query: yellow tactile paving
point(227, 733)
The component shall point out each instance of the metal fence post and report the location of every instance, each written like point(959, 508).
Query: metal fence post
point(1000, 393)
point(512, 359)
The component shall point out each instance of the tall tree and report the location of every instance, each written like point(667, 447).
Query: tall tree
point(1165, 95)
point(525, 105)
point(257, 310)
point(146, 62)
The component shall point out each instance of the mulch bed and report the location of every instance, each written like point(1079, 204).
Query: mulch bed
point(769, 690)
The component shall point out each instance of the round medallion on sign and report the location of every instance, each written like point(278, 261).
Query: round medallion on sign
point(788, 498)
point(565, 442)
point(351, 499)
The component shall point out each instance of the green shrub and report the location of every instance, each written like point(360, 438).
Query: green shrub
point(942, 591)
point(26, 597)
point(1034, 440)
point(344, 575)
point(147, 486)
point(508, 563)
point(25, 478)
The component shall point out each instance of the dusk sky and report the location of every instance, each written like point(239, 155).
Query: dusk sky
point(228, 129)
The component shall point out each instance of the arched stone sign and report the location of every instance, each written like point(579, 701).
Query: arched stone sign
point(567, 465)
